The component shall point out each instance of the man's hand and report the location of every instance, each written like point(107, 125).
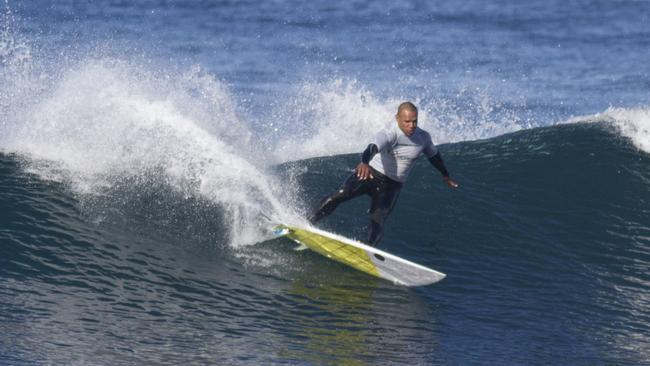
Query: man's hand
point(363, 171)
point(450, 182)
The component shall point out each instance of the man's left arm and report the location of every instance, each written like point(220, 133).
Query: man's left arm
point(439, 164)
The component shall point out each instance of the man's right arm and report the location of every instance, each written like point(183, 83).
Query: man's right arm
point(380, 141)
point(363, 169)
point(369, 153)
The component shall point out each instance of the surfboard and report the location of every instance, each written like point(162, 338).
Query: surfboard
point(360, 256)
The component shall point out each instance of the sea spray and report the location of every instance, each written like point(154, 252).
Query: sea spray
point(330, 118)
point(104, 119)
point(18, 82)
point(14, 51)
point(340, 116)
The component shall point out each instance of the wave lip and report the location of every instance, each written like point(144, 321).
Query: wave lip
point(633, 123)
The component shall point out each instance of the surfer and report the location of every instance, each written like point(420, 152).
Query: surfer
point(384, 167)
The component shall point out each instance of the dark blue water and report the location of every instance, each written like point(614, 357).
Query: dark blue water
point(142, 146)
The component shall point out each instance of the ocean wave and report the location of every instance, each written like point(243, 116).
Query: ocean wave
point(548, 219)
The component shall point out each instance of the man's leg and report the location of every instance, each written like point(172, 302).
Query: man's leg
point(383, 202)
point(352, 187)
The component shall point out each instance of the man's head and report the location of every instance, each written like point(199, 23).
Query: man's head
point(407, 118)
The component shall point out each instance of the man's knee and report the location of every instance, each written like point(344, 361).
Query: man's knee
point(328, 205)
point(341, 194)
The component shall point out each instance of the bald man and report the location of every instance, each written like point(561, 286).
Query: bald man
point(385, 165)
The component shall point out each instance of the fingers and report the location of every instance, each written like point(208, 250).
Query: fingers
point(360, 172)
point(450, 182)
point(364, 172)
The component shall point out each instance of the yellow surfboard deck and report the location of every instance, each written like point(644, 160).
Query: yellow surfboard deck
point(360, 256)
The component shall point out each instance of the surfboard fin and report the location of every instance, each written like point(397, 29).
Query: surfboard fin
point(300, 248)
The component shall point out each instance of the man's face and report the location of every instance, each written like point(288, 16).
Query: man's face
point(407, 121)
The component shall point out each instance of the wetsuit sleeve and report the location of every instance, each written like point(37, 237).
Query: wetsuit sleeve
point(437, 162)
point(370, 151)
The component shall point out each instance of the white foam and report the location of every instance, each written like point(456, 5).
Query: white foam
point(328, 119)
point(632, 123)
point(106, 118)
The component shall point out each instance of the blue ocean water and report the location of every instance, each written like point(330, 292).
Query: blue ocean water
point(143, 143)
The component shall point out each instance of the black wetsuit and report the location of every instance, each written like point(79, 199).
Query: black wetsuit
point(382, 190)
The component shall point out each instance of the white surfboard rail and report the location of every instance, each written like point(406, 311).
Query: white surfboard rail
point(362, 257)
